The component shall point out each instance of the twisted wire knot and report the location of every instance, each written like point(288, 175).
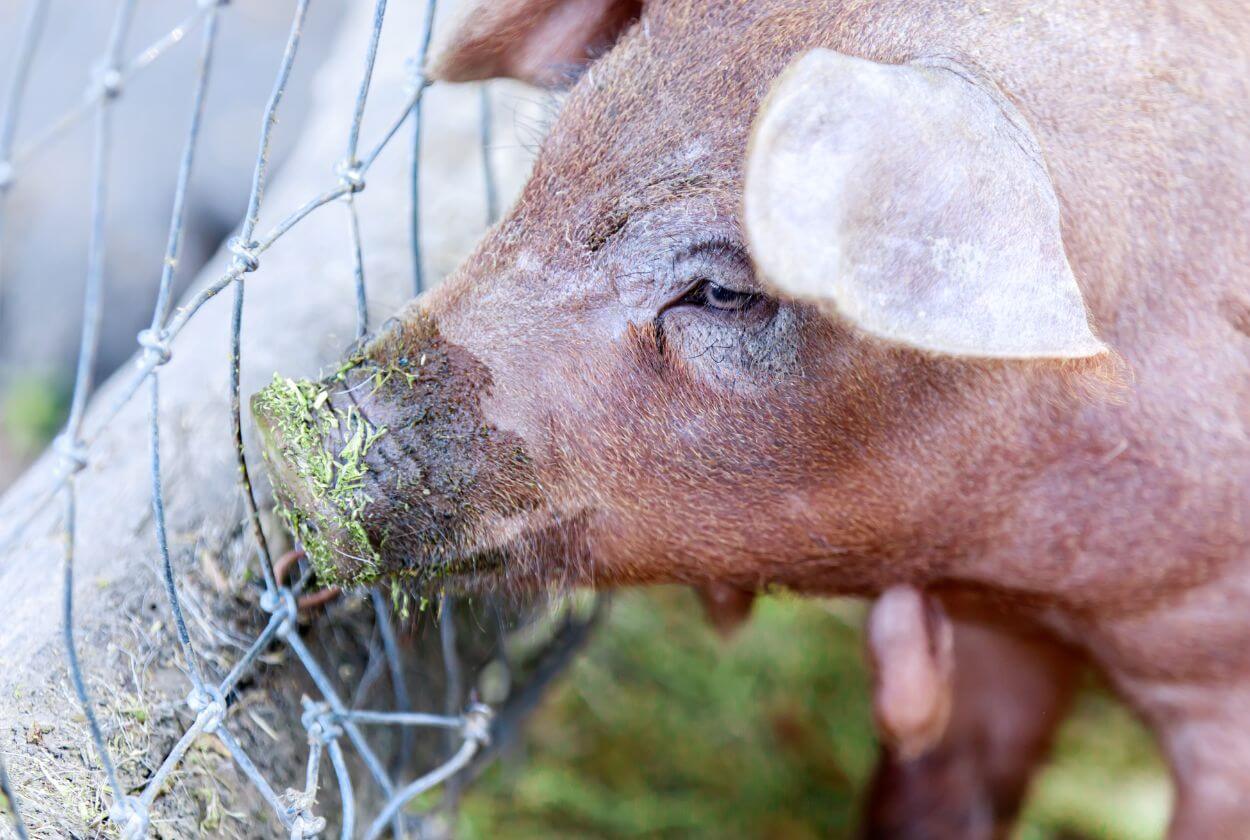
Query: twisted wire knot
point(414, 77)
point(320, 723)
point(155, 346)
point(299, 804)
point(109, 82)
point(281, 602)
point(351, 175)
point(477, 721)
point(72, 454)
point(307, 825)
point(245, 258)
point(211, 704)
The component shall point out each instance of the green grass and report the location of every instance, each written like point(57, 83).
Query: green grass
point(663, 730)
point(331, 523)
point(32, 412)
point(1105, 778)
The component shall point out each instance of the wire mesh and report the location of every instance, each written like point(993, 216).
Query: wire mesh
point(331, 726)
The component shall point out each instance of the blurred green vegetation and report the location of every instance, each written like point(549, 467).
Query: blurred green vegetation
point(663, 730)
point(34, 407)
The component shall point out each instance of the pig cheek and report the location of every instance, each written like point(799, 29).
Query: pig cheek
point(634, 464)
point(536, 353)
point(509, 410)
point(659, 457)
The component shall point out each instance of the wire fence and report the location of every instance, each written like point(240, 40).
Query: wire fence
point(332, 727)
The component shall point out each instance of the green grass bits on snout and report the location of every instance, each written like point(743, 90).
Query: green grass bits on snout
point(387, 469)
point(316, 453)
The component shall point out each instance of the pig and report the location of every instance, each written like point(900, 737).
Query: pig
point(941, 303)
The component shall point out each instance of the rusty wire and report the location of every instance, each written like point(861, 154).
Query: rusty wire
point(328, 722)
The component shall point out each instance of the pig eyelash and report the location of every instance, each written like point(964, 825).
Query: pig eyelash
point(704, 290)
point(708, 294)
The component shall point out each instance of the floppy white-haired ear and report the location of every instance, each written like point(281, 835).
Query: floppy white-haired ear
point(913, 200)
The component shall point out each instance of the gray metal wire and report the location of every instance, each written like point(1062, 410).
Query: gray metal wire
point(486, 131)
point(153, 343)
point(23, 58)
point(419, 84)
point(246, 261)
point(73, 453)
point(390, 650)
point(328, 722)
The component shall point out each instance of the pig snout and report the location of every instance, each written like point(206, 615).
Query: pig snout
point(387, 469)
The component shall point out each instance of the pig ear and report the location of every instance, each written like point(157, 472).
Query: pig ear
point(538, 41)
point(913, 201)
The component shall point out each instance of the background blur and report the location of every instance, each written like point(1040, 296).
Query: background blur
point(662, 728)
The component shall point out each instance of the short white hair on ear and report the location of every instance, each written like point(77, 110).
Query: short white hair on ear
point(912, 200)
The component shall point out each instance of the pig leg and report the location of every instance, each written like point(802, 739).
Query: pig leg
point(1008, 692)
point(1202, 729)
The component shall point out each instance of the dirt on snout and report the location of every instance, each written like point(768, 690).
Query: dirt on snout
point(387, 468)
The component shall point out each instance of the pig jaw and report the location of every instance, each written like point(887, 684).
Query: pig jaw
point(387, 470)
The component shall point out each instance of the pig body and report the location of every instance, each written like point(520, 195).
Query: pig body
point(681, 423)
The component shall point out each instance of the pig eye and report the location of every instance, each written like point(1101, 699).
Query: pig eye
point(717, 279)
point(715, 296)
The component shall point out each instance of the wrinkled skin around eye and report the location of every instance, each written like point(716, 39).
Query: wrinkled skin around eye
point(725, 328)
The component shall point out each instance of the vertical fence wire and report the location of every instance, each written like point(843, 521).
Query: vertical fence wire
point(350, 171)
point(486, 139)
point(399, 685)
point(419, 82)
point(73, 455)
point(108, 79)
point(71, 651)
point(453, 677)
point(23, 59)
point(246, 260)
point(153, 342)
point(327, 721)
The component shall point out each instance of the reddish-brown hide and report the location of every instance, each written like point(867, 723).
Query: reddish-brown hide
point(687, 432)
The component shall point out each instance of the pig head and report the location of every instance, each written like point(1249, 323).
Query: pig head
point(610, 391)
